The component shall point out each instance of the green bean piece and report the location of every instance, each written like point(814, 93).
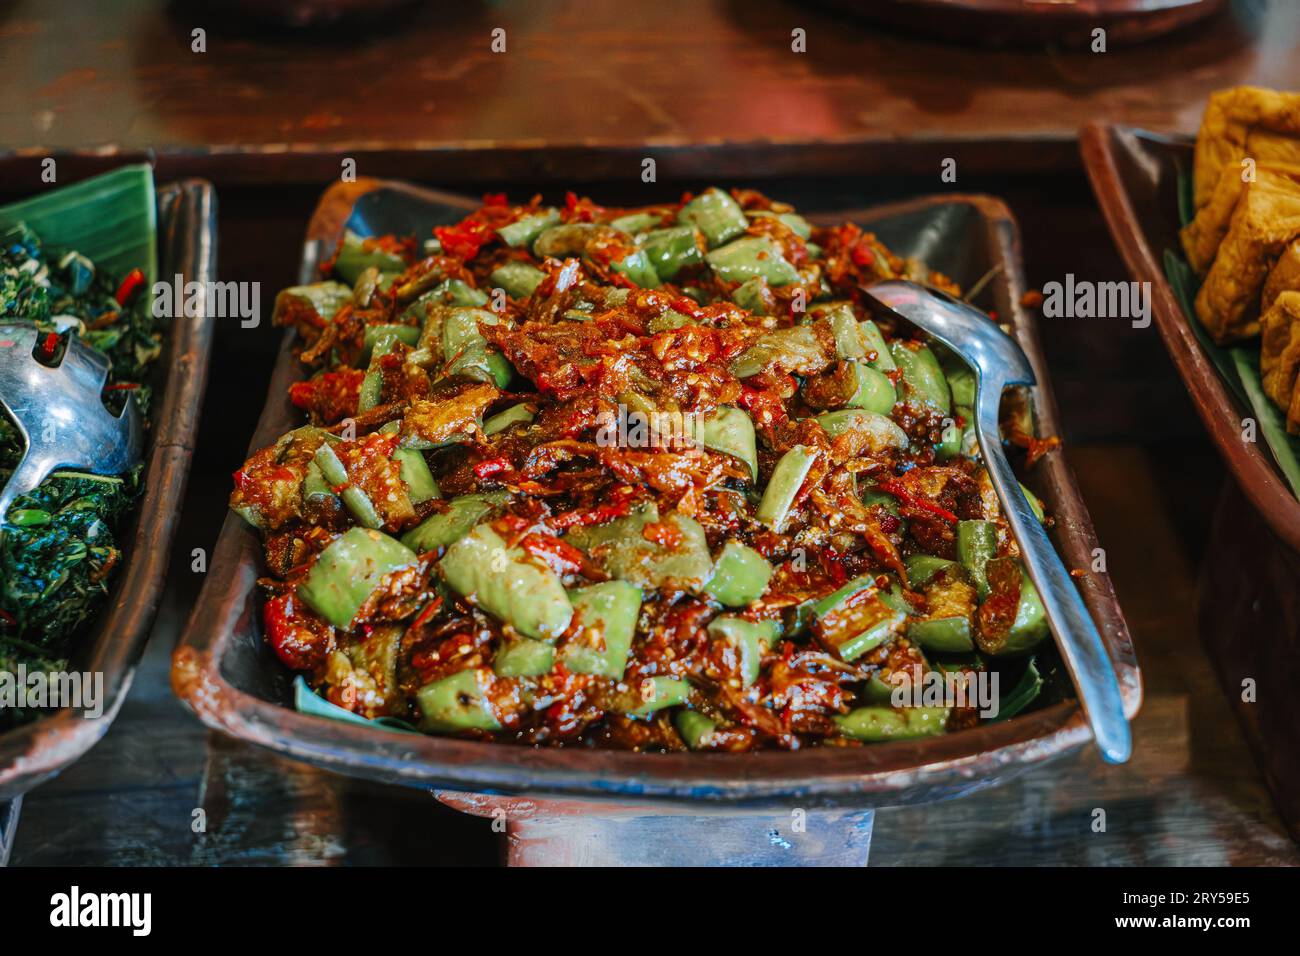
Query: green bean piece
point(753, 296)
point(1030, 627)
point(514, 415)
point(716, 215)
point(656, 693)
point(638, 267)
point(875, 690)
point(889, 723)
point(481, 568)
point(961, 380)
point(922, 380)
point(787, 478)
point(750, 256)
point(855, 619)
point(942, 634)
point(977, 544)
point(671, 250)
point(567, 239)
point(315, 485)
point(349, 570)
point(740, 575)
point(419, 481)
point(523, 657)
point(875, 392)
point(749, 638)
point(922, 567)
point(374, 334)
point(322, 298)
point(1035, 504)
point(606, 614)
point(793, 349)
point(466, 350)
point(357, 501)
point(454, 293)
point(621, 548)
point(372, 386)
point(518, 279)
point(636, 223)
point(873, 341)
point(458, 702)
point(1022, 695)
point(694, 728)
point(879, 431)
point(797, 223)
point(849, 343)
point(524, 230)
point(461, 515)
point(953, 436)
point(353, 259)
point(731, 431)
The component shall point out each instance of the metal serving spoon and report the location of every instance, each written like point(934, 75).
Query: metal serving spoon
point(60, 413)
point(998, 362)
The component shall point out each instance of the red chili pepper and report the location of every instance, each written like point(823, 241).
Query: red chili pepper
point(427, 612)
point(494, 199)
point(50, 344)
point(122, 387)
point(862, 254)
point(130, 285)
point(585, 516)
point(905, 496)
point(490, 467)
point(560, 556)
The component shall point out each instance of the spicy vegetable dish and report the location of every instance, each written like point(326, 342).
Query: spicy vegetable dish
point(643, 478)
point(58, 550)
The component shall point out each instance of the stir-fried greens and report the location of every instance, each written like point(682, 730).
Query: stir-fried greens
point(643, 478)
point(59, 549)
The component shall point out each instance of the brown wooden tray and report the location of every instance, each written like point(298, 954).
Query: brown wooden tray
point(1134, 174)
point(1249, 608)
point(32, 753)
point(233, 682)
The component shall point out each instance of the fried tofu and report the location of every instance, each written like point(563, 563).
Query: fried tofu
point(1279, 357)
point(1265, 221)
point(1205, 233)
point(1245, 121)
point(1283, 277)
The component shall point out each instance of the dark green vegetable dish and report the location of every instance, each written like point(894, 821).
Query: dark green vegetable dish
point(640, 478)
point(59, 548)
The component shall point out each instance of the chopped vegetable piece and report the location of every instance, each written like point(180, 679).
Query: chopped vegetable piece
point(740, 575)
point(694, 727)
point(523, 657)
point(750, 639)
point(890, 723)
point(752, 257)
point(716, 215)
point(606, 615)
point(731, 431)
point(348, 571)
point(500, 579)
point(783, 488)
point(459, 702)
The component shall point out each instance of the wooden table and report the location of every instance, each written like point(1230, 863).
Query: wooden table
point(862, 102)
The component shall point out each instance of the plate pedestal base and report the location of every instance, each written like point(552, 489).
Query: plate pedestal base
point(576, 833)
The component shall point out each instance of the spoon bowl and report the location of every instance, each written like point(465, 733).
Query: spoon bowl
point(998, 362)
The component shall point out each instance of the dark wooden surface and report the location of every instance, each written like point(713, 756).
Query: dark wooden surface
point(863, 117)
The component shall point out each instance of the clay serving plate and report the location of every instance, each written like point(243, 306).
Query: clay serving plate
point(186, 244)
point(234, 683)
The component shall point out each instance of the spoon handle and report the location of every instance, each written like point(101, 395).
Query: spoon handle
point(1076, 634)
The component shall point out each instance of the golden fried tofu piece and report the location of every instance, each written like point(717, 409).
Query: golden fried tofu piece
point(1204, 234)
point(1266, 220)
point(1279, 355)
point(1245, 121)
point(1283, 277)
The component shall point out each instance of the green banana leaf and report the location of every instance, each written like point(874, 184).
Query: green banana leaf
point(1238, 364)
point(307, 701)
point(110, 219)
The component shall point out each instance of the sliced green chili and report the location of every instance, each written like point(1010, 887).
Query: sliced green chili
point(749, 638)
point(518, 279)
point(670, 250)
point(458, 702)
point(606, 614)
point(716, 215)
point(977, 544)
point(695, 729)
point(523, 657)
point(751, 256)
point(443, 527)
point(890, 723)
point(523, 231)
point(731, 431)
